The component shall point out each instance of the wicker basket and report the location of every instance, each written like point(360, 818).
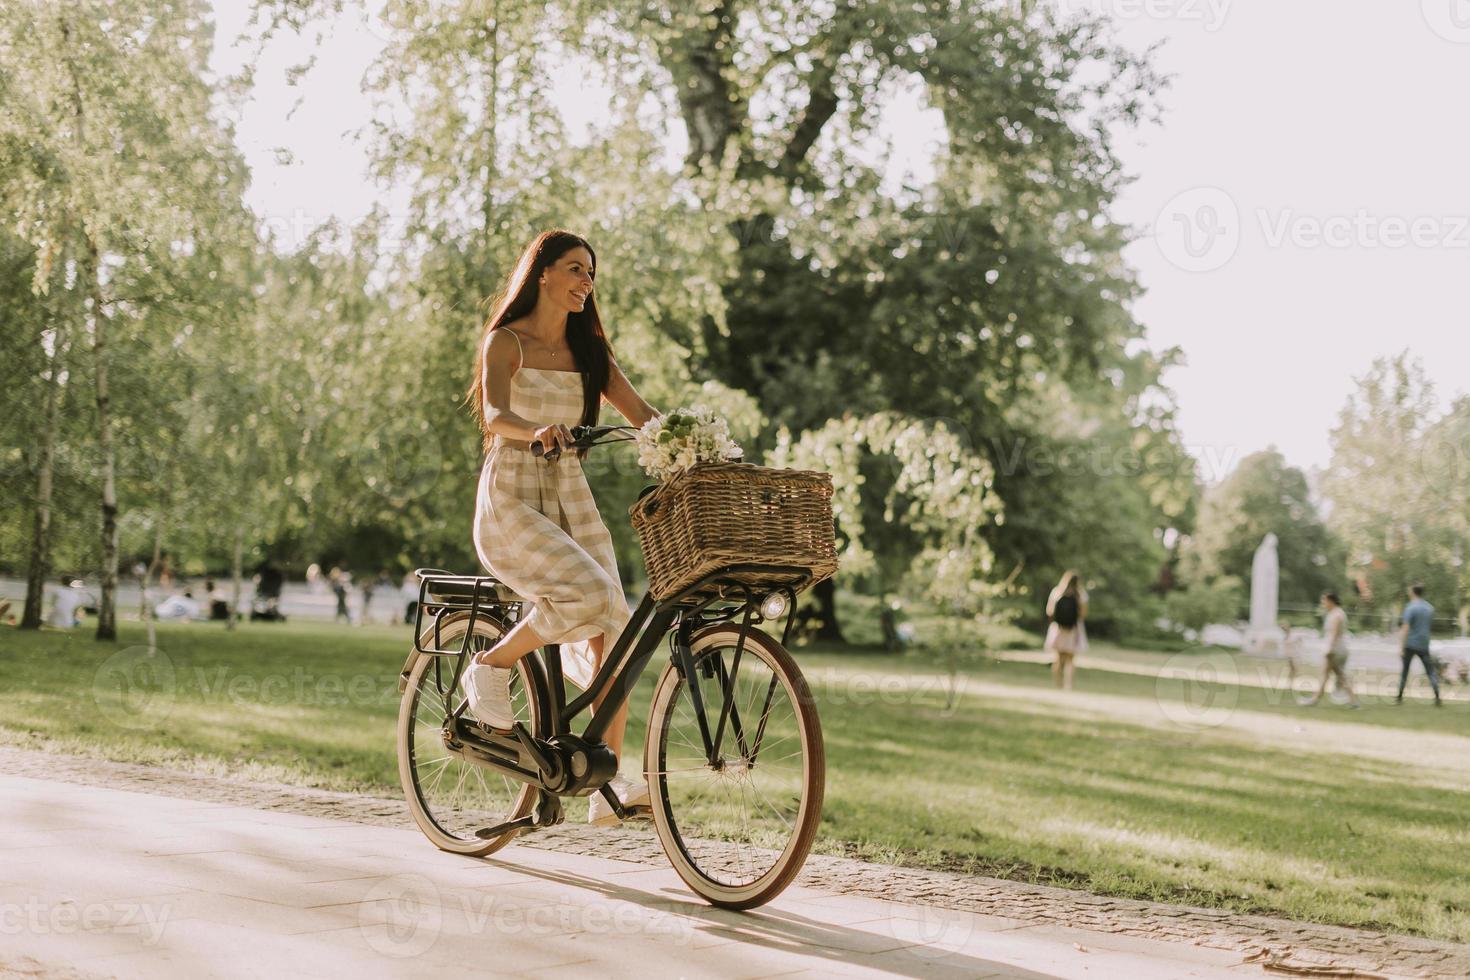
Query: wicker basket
point(717, 514)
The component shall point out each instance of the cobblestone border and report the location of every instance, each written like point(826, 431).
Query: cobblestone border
point(1279, 946)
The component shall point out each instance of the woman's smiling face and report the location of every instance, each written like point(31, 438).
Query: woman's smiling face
point(568, 280)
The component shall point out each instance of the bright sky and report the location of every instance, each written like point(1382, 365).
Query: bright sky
point(1303, 207)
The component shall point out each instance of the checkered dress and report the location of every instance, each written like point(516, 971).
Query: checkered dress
point(537, 529)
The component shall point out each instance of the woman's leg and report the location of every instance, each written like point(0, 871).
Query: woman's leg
point(1056, 667)
point(514, 645)
point(1322, 687)
point(614, 734)
point(1069, 667)
point(1339, 669)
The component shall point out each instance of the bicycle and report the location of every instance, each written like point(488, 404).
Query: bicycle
point(734, 754)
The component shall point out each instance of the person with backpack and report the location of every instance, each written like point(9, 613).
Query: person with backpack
point(1066, 636)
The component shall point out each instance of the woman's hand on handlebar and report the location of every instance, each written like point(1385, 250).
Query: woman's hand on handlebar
point(555, 437)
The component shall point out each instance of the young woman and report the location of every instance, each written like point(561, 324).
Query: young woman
point(543, 366)
point(1067, 635)
point(1334, 631)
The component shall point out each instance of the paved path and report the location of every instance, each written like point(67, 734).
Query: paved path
point(253, 859)
point(109, 882)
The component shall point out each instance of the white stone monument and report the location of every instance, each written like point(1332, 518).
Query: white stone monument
point(1264, 635)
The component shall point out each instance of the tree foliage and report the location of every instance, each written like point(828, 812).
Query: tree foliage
point(960, 354)
point(1392, 482)
point(1264, 495)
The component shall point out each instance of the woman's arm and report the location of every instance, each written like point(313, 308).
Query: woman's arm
point(621, 395)
point(500, 362)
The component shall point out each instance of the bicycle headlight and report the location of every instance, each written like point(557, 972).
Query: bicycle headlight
point(773, 605)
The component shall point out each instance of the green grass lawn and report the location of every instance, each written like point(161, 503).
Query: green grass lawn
point(1189, 777)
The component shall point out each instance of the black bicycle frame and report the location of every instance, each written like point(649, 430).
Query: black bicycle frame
point(624, 664)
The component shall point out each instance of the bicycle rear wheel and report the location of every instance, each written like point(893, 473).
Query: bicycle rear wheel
point(449, 797)
point(737, 830)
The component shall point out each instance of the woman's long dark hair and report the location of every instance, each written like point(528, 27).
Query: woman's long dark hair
point(1070, 583)
point(591, 351)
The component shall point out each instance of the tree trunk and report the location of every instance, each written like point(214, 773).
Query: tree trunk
point(236, 572)
point(39, 569)
point(107, 606)
point(145, 607)
point(826, 595)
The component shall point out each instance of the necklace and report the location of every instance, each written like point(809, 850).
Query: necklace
point(546, 347)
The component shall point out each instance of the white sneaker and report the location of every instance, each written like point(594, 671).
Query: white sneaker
point(487, 689)
point(600, 813)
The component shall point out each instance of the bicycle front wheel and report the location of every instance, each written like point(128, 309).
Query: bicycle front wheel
point(737, 828)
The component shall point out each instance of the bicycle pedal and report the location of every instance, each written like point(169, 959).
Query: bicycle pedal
point(486, 731)
point(642, 811)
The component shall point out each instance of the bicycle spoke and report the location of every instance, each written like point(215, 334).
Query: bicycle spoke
point(665, 772)
point(771, 806)
point(458, 796)
point(734, 821)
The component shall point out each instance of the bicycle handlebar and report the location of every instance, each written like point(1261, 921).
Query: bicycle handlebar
point(584, 436)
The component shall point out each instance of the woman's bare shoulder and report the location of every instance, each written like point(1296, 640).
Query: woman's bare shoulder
point(504, 349)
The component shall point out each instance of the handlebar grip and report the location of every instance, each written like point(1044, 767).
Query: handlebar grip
point(578, 432)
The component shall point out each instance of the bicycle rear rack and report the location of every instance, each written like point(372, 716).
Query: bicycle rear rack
point(442, 592)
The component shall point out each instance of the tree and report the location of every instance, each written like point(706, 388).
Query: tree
point(1399, 527)
point(771, 263)
point(127, 179)
point(1444, 462)
point(36, 352)
point(1264, 495)
point(911, 504)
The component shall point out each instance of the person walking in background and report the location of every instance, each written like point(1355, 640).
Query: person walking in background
point(383, 583)
point(1414, 641)
point(1066, 637)
point(408, 591)
point(368, 585)
point(1334, 630)
point(338, 580)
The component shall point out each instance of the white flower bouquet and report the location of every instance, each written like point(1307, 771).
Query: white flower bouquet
point(670, 444)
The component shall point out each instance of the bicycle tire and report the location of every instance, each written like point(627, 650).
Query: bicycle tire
point(420, 715)
point(696, 860)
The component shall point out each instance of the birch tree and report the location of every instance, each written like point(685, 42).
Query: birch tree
point(128, 177)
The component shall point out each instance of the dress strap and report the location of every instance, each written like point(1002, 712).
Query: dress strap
point(485, 366)
point(518, 342)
